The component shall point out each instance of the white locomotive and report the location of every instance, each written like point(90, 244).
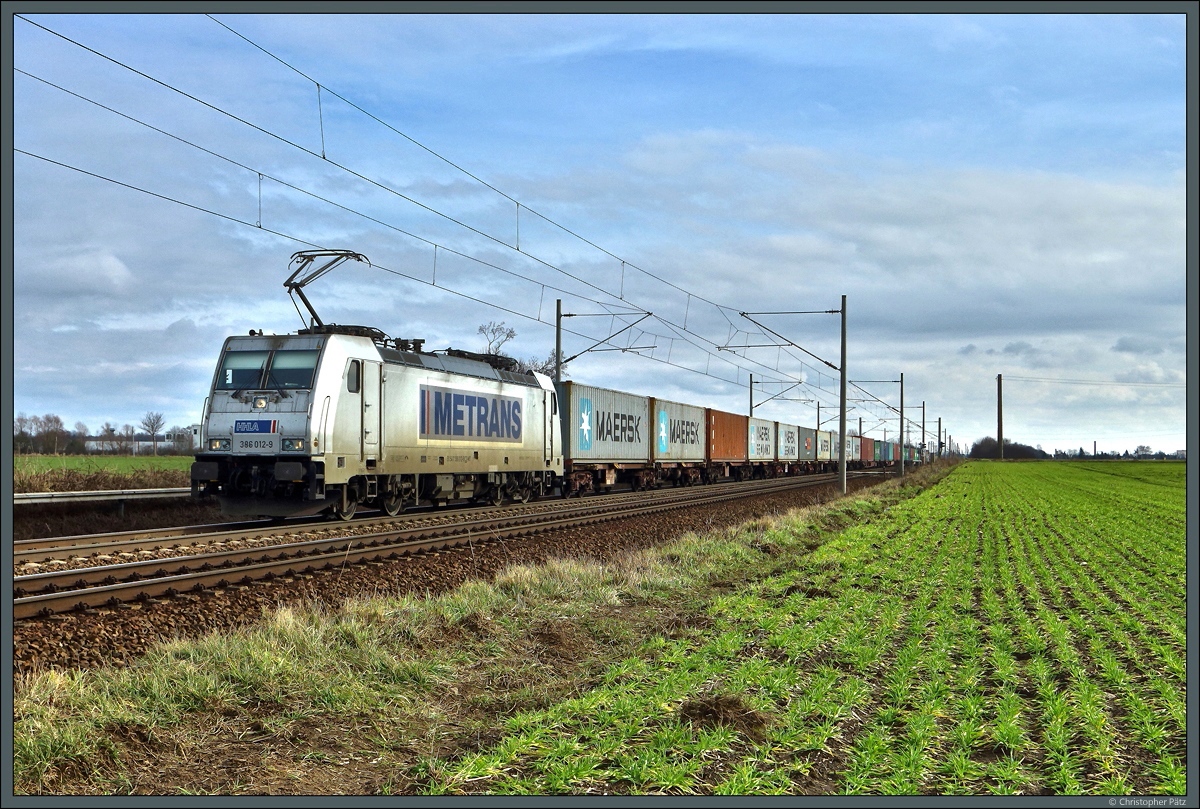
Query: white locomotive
point(334, 417)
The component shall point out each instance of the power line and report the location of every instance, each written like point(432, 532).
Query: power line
point(681, 331)
point(674, 327)
point(1098, 382)
point(381, 267)
point(624, 263)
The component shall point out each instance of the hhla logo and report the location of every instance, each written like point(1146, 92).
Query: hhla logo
point(585, 424)
point(664, 434)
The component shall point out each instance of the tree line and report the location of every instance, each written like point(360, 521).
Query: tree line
point(48, 435)
point(988, 448)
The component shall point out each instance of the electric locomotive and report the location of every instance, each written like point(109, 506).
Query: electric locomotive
point(336, 417)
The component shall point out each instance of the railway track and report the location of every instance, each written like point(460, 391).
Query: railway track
point(195, 561)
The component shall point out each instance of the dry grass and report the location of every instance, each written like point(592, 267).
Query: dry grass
point(98, 479)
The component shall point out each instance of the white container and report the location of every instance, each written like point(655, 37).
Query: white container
point(606, 426)
point(678, 432)
point(787, 442)
point(761, 440)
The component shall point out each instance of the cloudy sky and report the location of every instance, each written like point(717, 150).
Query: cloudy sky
point(993, 194)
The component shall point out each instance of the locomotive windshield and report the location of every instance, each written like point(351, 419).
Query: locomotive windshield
point(256, 370)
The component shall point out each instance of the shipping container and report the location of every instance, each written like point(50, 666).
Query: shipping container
point(787, 447)
point(726, 436)
point(879, 445)
point(868, 448)
point(678, 432)
point(855, 448)
point(760, 443)
point(824, 446)
point(808, 443)
point(605, 426)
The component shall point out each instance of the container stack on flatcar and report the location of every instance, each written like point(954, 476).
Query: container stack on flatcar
point(678, 445)
point(607, 439)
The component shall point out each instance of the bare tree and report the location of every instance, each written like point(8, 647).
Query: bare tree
point(542, 366)
point(496, 334)
point(52, 434)
point(108, 437)
point(181, 439)
point(125, 440)
point(153, 423)
point(22, 434)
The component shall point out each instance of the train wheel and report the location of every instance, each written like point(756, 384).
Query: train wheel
point(392, 503)
point(346, 513)
point(496, 496)
point(525, 494)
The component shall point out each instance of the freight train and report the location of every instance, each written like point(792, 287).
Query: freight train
point(334, 417)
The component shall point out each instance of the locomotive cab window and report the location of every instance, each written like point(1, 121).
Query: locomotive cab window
point(293, 369)
point(242, 369)
point(353, 376)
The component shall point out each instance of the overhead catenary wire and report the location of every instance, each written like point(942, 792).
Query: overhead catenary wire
point(674, 327)
point(298, 240)
point(682, 332)
point(518, 204)
point(1101, 382)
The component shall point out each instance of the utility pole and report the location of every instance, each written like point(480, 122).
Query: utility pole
point(924, 449)
point(902, 424)
point(558, 344)
point(842, 419)
point(1000, 413)
point(939, 447)
point(818, 414)
point(751, 394)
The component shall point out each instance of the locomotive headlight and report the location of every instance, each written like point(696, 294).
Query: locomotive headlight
point(293, 444)
point(218, 443)
point(260, 402)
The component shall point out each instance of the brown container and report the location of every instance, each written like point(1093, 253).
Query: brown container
point(868, 449)
point(726, 436)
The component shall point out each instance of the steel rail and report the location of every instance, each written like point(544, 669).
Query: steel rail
point(81, 577)
point(40, 550)
point(330, 553)
point(110, 496)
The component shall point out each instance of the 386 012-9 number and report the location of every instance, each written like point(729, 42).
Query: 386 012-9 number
point(255, 443)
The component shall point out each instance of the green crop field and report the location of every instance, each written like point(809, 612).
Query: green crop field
point(59, 473)
point(1027, 623)
point(118, 464)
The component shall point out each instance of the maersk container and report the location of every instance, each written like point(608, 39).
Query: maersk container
point(787, 446)
point(726, 436)
point(867, 445)
point(605, 426)
point(678, 432)
point(808, 443)
point(760, 443)
point(824, 446)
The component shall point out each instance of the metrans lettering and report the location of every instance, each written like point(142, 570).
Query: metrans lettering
point(460, 415)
